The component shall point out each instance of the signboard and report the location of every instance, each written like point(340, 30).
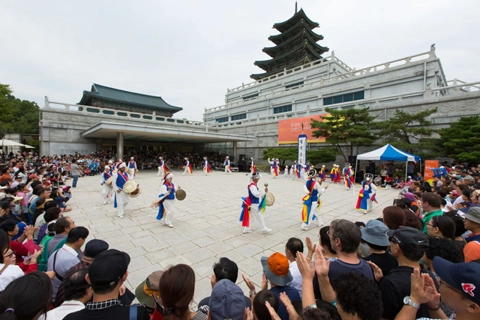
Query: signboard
point(428, 173)
point(289, 129)
point(302, 148)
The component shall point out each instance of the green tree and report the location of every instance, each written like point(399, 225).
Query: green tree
point(16, 115)
point(313, 156)
point(351, 127)
point(408, 131)
point(461, 140)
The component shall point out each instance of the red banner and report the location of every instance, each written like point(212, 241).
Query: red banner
point(289, 129)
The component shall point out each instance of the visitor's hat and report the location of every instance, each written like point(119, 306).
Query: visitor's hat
point(107, 268)
point(473, 214)
point(94, 247)
point(408, 236)
point(227, 301)
point(276, 269)
point(410, 196)
point(255, 175)
point(375, 232)
point(462, 276)
point(148, 287)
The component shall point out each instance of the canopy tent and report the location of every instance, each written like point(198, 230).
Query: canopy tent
point(9, 143)
point(389, 153)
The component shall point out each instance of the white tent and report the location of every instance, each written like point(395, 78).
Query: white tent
point(9, 143)
point(389, 153)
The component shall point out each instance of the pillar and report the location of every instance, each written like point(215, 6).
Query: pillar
point(235, 151)
point(120, 145)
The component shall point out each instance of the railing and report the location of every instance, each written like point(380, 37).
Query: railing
point(460, 85)
point(121, 114)
point(324, 80)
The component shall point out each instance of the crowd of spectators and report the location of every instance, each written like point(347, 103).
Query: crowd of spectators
point(420, 259)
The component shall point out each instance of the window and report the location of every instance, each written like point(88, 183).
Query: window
point(282, 109)
point(296, 84)
point(359, 95)
point(220, 120)
point(239, 116)
point(250, 96)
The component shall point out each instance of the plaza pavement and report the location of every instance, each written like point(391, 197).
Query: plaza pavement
point(206, 223)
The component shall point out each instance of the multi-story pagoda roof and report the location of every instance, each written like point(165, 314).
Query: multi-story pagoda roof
point(295, 45)
point(102, 95)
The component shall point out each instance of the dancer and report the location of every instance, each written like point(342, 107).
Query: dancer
point(162, 168)
point(166, 206)
point(188, 167)
point(367, 194)
point(206, 166)
point(107, 190)
point(271, 165)
point(253, 168)
point(121, 198)
point(275, 168)
point(352, 176)
point(314, 190)
point(252, 204)
point(228, 168)
point(347, 176)
point(338, 175)
point(285, 173)
point(292, 170)
point(132, 168)
point(323, 174)
point(332, 173)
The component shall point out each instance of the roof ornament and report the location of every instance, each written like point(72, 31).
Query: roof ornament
point(295, 6)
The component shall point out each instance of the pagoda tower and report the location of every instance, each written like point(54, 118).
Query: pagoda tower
point(295, 45)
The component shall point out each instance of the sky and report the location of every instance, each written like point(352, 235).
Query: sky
point(190, 52)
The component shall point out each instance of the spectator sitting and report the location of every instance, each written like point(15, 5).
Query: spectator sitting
point(472, 223)
point(62, 228)
point(227, 301)
point(378, 180)
point(27, 297)
point(375, 236)
point(441, 227)
point(325, 244)
point(77, 293)
point(293, 246)
point(388, 181)
point(7, 262)
point(260, 310)
point(431, 207)
point(106, 275)
point(393, 217)
point(147, 289)
point(51, 214)
point(223, 269)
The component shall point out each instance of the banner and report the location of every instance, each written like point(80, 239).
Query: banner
point(302, 148)
point(428, 173)
point(289, 129)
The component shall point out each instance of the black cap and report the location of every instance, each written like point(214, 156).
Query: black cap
point(409, 236)
point(94, 247)
point(107, 268)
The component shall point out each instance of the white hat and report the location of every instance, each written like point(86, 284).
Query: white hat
point(122, 165)
point(168, 176)
point(110, 161)
point(132, 158)
point(107, 167)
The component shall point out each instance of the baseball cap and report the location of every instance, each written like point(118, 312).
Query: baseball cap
point(473, 214)
point(409, 236)
point(410, 196)
point(148, 287)
point(276, 269)
point(94, 247)
point(375, 232)
point(107, 268)
point(227, 301)
point(465, 277)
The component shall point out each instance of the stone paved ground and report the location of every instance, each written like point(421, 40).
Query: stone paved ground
point(206, 225)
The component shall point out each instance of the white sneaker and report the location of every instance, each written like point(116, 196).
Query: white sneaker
point(121, 217)
point(267, 230)
point(304, 227)
point(104, 202)
point(320, 224)
point(245, 230)
point(170, 225)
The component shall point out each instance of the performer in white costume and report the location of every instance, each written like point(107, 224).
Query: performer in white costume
point(107, 191)
point(161, 167)
point(121, 198)
point(311, 201)
point(132, 168)
point(228, 168)
point(166, 208)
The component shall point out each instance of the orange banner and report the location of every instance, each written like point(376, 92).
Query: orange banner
point(289, 129)
point(427, 173)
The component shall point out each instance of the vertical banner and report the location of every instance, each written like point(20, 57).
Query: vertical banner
point(428, 172)
point(302, 148)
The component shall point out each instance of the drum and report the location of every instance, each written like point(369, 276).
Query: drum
point(270, 198)
point(109, 181)
point(135, 193)
point(180, 194)
point(129, 186)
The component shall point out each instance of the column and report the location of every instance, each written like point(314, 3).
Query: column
point(235, 151)
point(120, 145)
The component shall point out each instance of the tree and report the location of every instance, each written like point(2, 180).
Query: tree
point(407, 131)
point(461, 140)
point(314, 156)
point(351, 127)
point(17, 116)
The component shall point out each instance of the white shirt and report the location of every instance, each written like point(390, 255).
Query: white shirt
point(297, 277)
point(64, 309)
point(11, 273)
